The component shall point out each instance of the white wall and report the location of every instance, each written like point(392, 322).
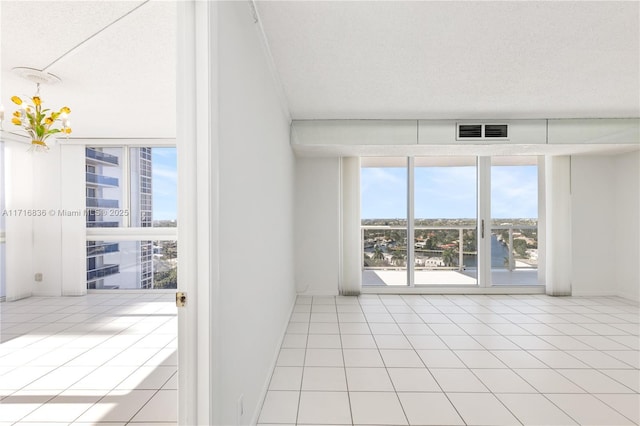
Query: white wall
point(605, 235)
point(627, 218)
point(558, 226)
point(593, 225)
point(36, 243)
point(605, 230)
point(73, 259)
point(256, 196)
point(19, 194)
point(47, 229)
point(317, 219)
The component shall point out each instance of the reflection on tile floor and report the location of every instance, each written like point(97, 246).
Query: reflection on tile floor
point(457, 360)
point(98, 359)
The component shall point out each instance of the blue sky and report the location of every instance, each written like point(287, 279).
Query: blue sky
point(440, 192)
point(165, 189)
point(448, 192)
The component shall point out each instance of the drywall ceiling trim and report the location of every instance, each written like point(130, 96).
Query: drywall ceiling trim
point(596, 131)
point(448, 161)
point(397, 137)
point(455, 150)
point(354, 132)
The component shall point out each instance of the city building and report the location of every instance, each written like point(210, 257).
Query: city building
point(274, 108)
point(127, 264)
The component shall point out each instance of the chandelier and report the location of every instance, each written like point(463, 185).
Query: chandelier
point(38, 122)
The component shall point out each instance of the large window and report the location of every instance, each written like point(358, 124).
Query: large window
point(384, 221)
point(433, 202)
point(130, 191)
point(514, 220)
point(106, 206)
point(2, 225)
point(445, 224)
point(132, 264)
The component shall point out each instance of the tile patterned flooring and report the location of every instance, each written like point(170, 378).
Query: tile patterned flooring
point(102, 359)
point(110, 359)
point(457, 360)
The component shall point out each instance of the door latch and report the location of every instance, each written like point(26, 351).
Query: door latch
point(181, 299)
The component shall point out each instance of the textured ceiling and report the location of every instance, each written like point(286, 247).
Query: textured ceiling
point(120, 83)
point(456, 59)
point(360, 59)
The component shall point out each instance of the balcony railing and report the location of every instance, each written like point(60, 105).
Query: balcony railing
point(454, 253)
point(104, 224)
point(510, 240)
point(101, 156)
point(102, 272)
point(101, 180)
point(101, 249)
point(102, 202)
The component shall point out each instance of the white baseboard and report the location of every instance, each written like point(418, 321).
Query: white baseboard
point(74, 294)
point(589, 293)
point(629, 296)
point(46, 294)
point(318, 293)
point(265, 387)
point(17, 297)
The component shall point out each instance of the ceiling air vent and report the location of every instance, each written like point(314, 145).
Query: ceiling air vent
point(495, 131)
point(482, 131)
point(469, 131)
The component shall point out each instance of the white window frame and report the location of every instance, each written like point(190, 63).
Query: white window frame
point(483, 214)
point(2, 222)
point(127, 232)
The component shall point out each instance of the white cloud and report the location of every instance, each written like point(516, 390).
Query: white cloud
point(449, 192)
point(514, 192)
point(160, 171)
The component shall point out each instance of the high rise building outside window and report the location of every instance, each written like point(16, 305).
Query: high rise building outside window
point(123, 186)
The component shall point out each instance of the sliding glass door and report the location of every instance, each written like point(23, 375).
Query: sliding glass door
point(383, 211)
point(452, 221)
point(445, 220)
point(514, 220)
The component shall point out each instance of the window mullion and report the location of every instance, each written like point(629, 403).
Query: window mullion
point(484, 222)
point(126, 186)
point(410, 223)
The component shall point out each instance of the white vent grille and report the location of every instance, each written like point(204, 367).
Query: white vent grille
point(470, 131)
point(495, 130)
point(482, 131)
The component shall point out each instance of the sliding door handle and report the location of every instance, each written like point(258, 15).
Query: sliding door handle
point(482, 228)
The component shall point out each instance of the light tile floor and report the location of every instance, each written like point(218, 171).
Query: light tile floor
point(100, 359)
point(456, 360)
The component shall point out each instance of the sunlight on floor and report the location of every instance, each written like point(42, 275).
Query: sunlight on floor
point(97, 359)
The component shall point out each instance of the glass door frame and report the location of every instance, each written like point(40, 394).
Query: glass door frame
point(483, 228)
point(411, 228)
point(484, 221)
point(411, 254)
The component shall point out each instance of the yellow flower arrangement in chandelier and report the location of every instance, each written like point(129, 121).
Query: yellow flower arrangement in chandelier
point(38, 125)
